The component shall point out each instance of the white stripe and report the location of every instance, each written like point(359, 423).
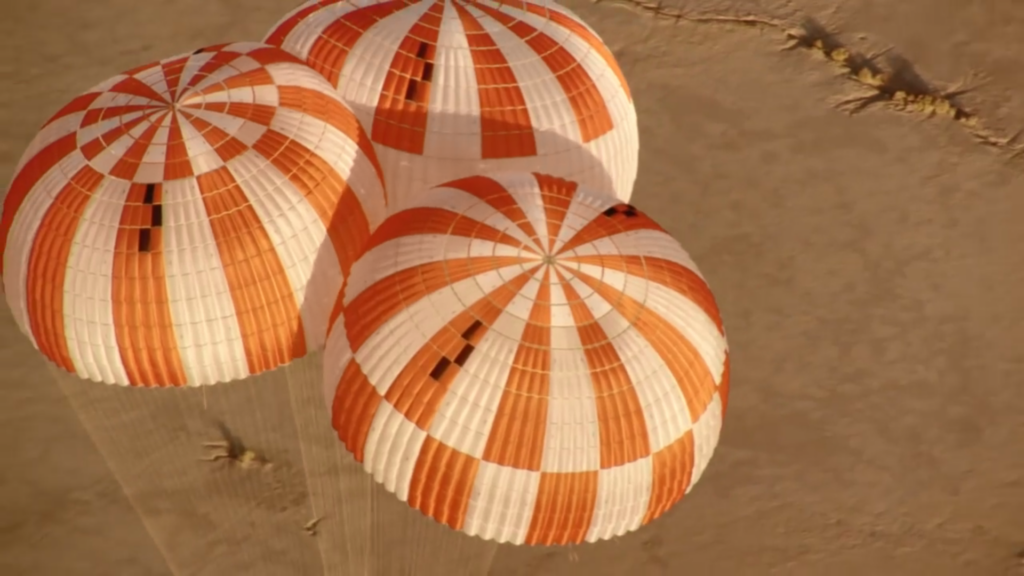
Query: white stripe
point(229, 123)
point(22, 236)
point(364, 181)
point(583, 209)
point(392, 448)
point(154, 78)
point(294, 75)
point(623, 495)
point(192, 65)
point(301, 38)
point(502, 503)
point(154, 162)
point(562, 320)
point(204, 159)
point(361, 81)
point(525, 189)
point(48, 135)
point(466, 415)
point(664, 406)
point(653, 243)
point(89, 133)
point(554, 121)
point(572, 437)
point(453, 113)
point(407, 252)
point(474, 208)
point(387, 351)
point(88, 286)
point(299, 238)
point(157, 150)
point(705, 438)
point(337, 355)
point(109, 83)
point(205, 322)
point(682, 313)
point(115, 151)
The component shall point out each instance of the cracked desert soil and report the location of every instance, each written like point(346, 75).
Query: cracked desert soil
point(869, 268)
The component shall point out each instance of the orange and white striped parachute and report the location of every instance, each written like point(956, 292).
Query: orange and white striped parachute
point(189, 221)
point(451, 88)
point(529, 362)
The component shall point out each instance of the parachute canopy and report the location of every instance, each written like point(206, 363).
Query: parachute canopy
point(528, 361)
point(173, 225)
point(450, 88)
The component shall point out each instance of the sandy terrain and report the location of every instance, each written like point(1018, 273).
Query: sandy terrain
point(868, 267)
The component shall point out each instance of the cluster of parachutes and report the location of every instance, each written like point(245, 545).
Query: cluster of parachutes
point(435, 192)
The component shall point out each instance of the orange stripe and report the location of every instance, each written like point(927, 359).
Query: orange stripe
point(400, 120)
point(262, 114)
point(564, 509)
point(604, 226)
point(723, 387)
point(143, 323)
point(333, 112)
point(267, 313)
point(229, 81)
point(269, 55)
point(277, 35)
point(79, 104)
point(620, 416)
point(520, 423)
point(496, 196)
point(679, 354)
point(580, 30)
point(132, 86)
point(325, 190)
point(48, 263)
point(177, 162)
point(330, 50)
point(99, 144)
point(368, 311)
point(94, 115)
point(557, 196)
point(225, 145)
point(669, 274)
point(128, 164)
point(442, 483)
point(34, 170)
point(416, 221)
point(672, 474)
point(355, 404)
point(338, 309)
point(505, 125)
point(421, 386)
point(587, 103)
point(172, 70)
point(218, 59)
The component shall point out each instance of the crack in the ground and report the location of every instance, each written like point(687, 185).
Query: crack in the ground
point(894, 84)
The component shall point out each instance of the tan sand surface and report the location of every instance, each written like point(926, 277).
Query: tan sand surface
point(869, 268)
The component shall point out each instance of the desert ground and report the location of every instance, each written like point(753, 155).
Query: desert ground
point(868, 265)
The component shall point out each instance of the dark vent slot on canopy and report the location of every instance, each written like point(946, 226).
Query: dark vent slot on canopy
point(150, 193)
point(144, 239)
point(460, 360)
point(468, 334)
point(440, 368)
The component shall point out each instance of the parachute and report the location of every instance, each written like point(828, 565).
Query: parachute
point(529, 362)
point(451, 88)
point(188, 223)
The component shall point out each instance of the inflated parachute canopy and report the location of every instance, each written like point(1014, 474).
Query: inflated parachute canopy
point(189, 221)
point(528, 361)
point(450, 88)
